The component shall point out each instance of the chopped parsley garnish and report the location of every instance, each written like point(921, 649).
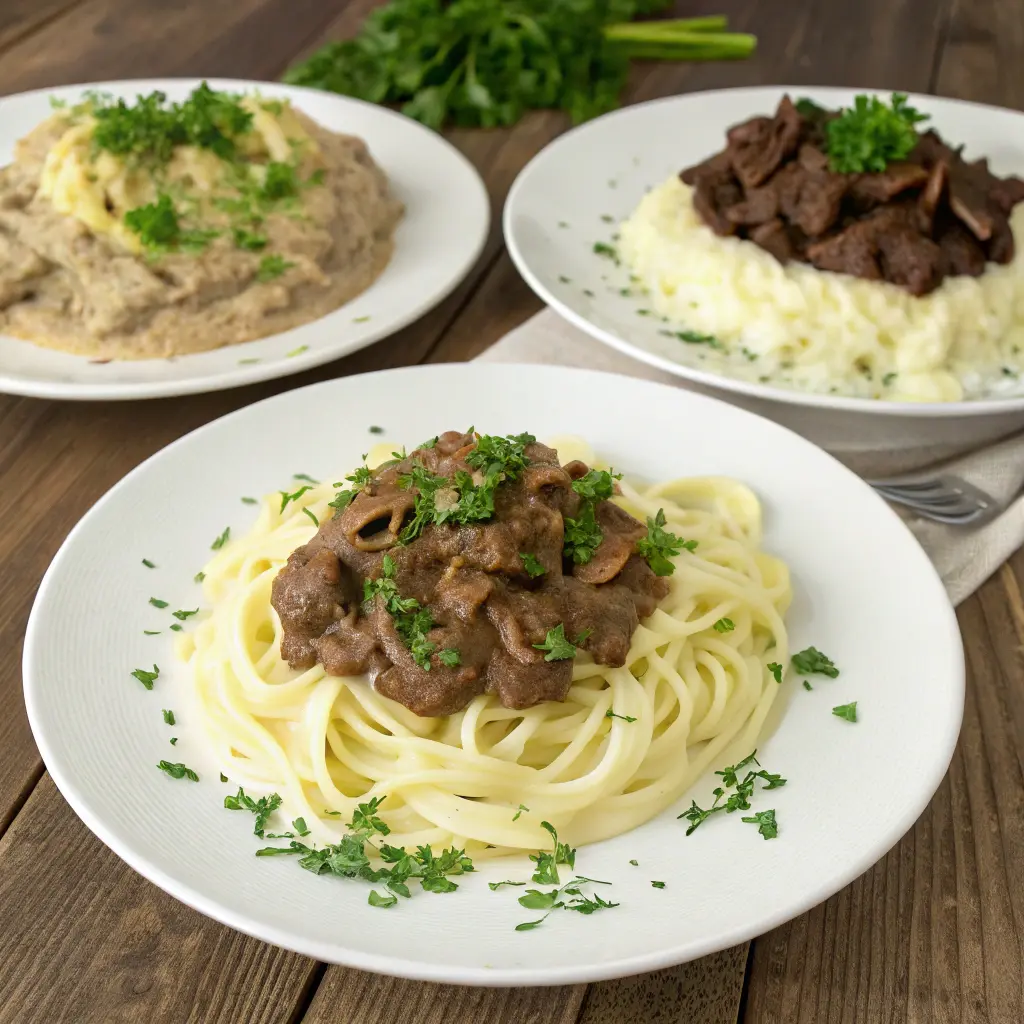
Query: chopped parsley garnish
point(724, 626)
point(595, 485)
point(271, 266)
point(449, 657)
point(176, 627)
point(765, 822)
point(658, 885)
point(582, 536)
point(174, 740)
point(157, 603)
point(888, 379)
point(696, 338)
point(519, 811)
point(376, 900)
point(635, 863)
point(151, 632)
point(168, 716)
point(660, 545)
point(739, 799)
point(380, 430)
point(460, 500)
point(360, 319)
point(359, 478)
point(412, 622)
point(494, 886)
point(148, 564)
point(305, 477)
point(546, 872)
point(531, 564)
point(178, 771)
point(812, 662)
point(147, 678)
point(534, 899)
point(306, 512)
point(221, 540)
point(807, 685)
point(611, 714)
point(262, 808)
point(776, 670)
point(299, 824)
point(223, 777)
point(348, 859)
point(297, 351)
point(159, 229)
point(183, 615)
point(606, 250)
point(251, 241)
point(249, 501)
point(872, 134)
point(557, 645)
point(294, 496)
point(846, 711)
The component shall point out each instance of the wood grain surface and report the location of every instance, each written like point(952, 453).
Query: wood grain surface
point(934, 932)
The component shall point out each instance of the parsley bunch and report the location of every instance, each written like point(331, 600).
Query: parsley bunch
point(486, 62)
point(871, 134)
point(349, 859)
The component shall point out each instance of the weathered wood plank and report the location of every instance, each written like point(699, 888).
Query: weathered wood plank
point(83, 938)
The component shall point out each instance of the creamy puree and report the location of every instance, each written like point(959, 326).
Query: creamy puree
point(294, 222)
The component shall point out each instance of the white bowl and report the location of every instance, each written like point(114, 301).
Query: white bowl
point(567, 196)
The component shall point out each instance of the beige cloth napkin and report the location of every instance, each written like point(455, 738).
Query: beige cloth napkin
point(965, 557)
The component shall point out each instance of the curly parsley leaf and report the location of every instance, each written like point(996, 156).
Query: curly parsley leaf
point(531, 564)
point(178, 771)
point(724, 626)
point(872, 134)
point(766, 823)
point(812, 662)
point(582, 535)
point(261, 808)
point(557, 645)
point(660, 545)
point(147, 678)
point(846, 711)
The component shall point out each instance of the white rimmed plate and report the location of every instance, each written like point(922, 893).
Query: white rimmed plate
point(574, 192)
point(865, 593)
point(443, 231)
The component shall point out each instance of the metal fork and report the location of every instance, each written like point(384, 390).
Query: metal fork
point(944, 498)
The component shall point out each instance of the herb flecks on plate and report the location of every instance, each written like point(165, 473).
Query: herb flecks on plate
point(743, 787)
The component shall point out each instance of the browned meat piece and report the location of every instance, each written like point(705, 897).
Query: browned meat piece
point(910, 260)
point(931, 195)
point(851, 251)
point(453, 612)
point(930, 149)
point(969, 200)
point(887, 184)
point(1000, 245)
point(774, 238)
point(1006, 193)
point(713, 195)
point(811, 200)
point(759, 206)
point(758, 146)
point(962, 251)
point(710, 167)
point(812, 159)
point(621, 532)
point(310, 594)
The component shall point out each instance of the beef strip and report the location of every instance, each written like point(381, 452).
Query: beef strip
point(472, 582)
point(757, 147)
point(921, 219)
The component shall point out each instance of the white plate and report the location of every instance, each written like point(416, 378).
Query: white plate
point(603, 168)
point(865, 593)
point(437, 242)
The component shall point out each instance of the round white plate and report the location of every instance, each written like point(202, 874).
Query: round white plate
point(577, 189)
point(445, 225)
point(866, 594)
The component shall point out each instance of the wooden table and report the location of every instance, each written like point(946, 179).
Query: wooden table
point(934, 932)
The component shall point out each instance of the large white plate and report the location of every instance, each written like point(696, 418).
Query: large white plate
point(445, 225)
point(566, 197)
point(865, 593)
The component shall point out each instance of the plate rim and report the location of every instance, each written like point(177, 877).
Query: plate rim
point(750, 389)
point(333, 953)
point(243, 375)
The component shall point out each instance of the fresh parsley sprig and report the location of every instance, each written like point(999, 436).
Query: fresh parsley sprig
point(546, 872)
point(872, 134)
point(739, 799)
point(661, 545)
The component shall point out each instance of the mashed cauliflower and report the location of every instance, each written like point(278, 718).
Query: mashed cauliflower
point(825, 332)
